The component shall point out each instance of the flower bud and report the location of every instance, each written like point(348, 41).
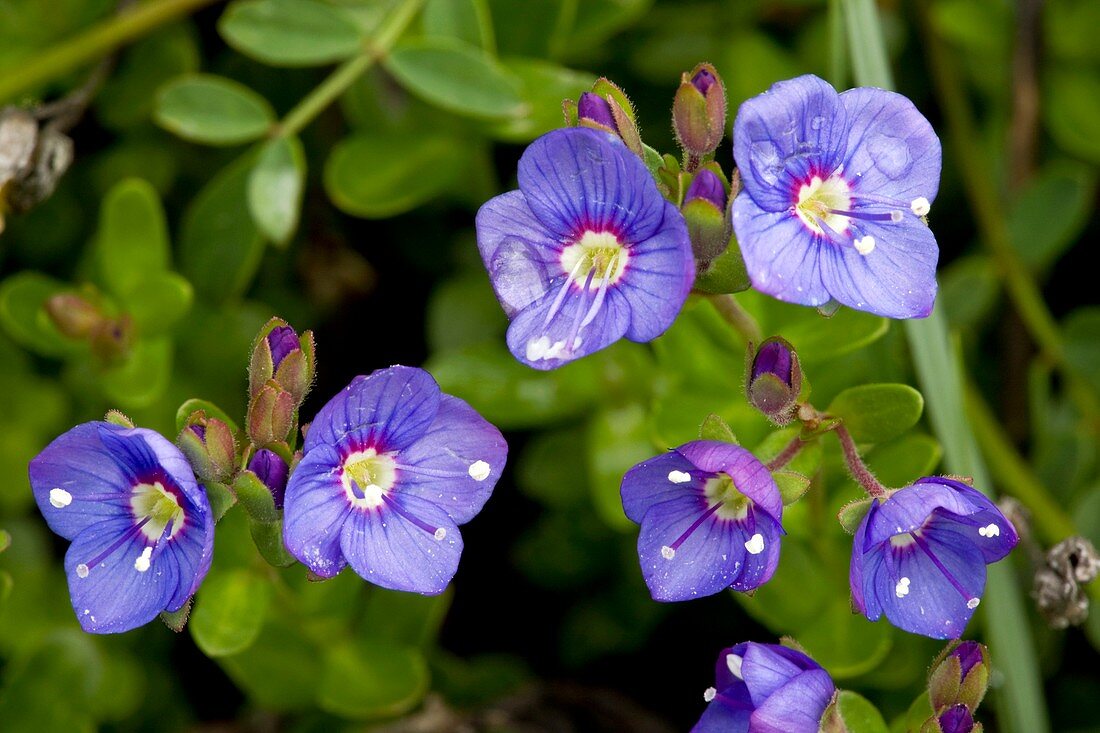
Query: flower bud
point(270, 414)
point(961, 677)
point(699, 111)
point(282, 355)
point(594, 111)
point(209, 446)
point(704, 211)
point(112, 339)
point(606, 108)
point(272, 471)
point(775, 380)
point(73, 315)
point(956, 719)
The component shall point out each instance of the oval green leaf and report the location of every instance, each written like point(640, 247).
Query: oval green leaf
point(372, 680)
point(290, 32)
point(23, 314)
point(874, 413)
point(229, 612)
point(212, 110)
point(456, 77)
point(133, 236)
point(275, 188)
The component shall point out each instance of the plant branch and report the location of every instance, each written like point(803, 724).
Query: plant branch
point(786, 455)
point(856, 466)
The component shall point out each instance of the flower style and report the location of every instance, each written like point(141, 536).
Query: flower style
point(141, 528)
point(920, 556)
point(585, 252)
point(391, 467)
point(836, 188)
point(765, 688)
point(710, 519)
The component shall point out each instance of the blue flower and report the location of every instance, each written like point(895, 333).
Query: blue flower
point(920, 556)
point(765, 688)
point(710, 520)
point(836, 188)
point(585, 252)
point(391, 467)
point(141, 528)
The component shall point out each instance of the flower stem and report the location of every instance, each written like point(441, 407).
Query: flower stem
point(856, 466)
point(786, 455)
point(346, 73)
point(97, 41)
point(741, 320)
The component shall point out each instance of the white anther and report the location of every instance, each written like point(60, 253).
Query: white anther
point(667, 552)
point(537, 348)
point(991, 530)
point(920, 206)
point(82, 571)
point(973, 603)
point(755, 545)
point(679, 477)
point(709, 694)
point(60, 498)
point(142, 562)
point(440, 533)
point(479, 470)
point(865, 245)
point(734, 662)
point(902, 588)
point(895, 216)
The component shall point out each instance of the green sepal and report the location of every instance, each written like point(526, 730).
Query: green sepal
point(852, 713)
point(853, 513)
point(221, 499)
point(188, 409)
point(715, 428)
point(265, 522)
point(115, 417)
point(177, 620)
point(726, 273)
point(792, 485)
point(268, 537)
point(612, 93)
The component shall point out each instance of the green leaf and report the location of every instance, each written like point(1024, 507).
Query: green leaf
point(381, 175)
point(715, 428)
point(280, 670)
point(969, 289)
point(221, 499)
point(788, 602)
point(212, 110)
point(904, 460)
point(543, 476)
point(220, 248)
point(403, 618)
point(159, 302)
point(792, 485)
point(542, 86)
point(851, 713)
point(67, 660)
point(229, 612)
point(1082, 339)
point(1072, 110)
point(372, 680)
point(456, 77)
point(821, 338)
point(846, 643)
point(852, 514)
point(290, 32)
point(143, 377)
point(1051, 211)
point(194, 405)
point(127, 98)
point(875, 413)
point(133, 236)
point(468, 21)
point(618, 438)
point(22, 311)
point(726, 274)
point(275, 188)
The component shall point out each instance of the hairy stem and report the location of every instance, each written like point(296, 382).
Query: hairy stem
point(786, 455)
point(856, 466)
point(99, 40)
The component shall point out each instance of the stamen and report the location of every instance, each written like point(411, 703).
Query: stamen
point(576, 327)
point(946, 573)
point(600, 294)
point(142, 562)
point(440, 533)
point(755, 545)
point(83, 569)
point(865, 246)
point(920, 206)
point(990, 531)
point(867, 217)
point(560, 298)
point(709, 694)
point(667, 552)
point(902, 588)
point(679, 477)
point(479, 470)
point(973, 603)
point(734, 662)
point(433, 531)
point(695, 525)
point(60, 498)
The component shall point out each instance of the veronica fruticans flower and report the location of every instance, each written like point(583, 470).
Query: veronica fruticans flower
point(710, 519)
point(587, 251)
point(836, 187)
point(140, 526)
point(765, 688)
point(920, 556)
point(391, 467)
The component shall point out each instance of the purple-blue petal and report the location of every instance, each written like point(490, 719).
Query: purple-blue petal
point(786, 135)
point(520, 254)
point(956, 719)
point(749, 475)
point(908, 508)
point(761, 566)
point(272, 472)
point(314, 512)
point(579, 178)
point(707, 186)
point(395, 406)
point(797, 706)
point(969, 654)
point(387, 548)
point(595, 108)
point(856, 570)
point(782, 256)
point(114, 596)
point(648, 483)
point(893, 151)
point(282, 340)
point(720, 717)
point(457, 441)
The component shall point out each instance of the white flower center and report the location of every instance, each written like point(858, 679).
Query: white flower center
point(160, 506)
point(367, 476)
point(817, 201)
point(599, 254)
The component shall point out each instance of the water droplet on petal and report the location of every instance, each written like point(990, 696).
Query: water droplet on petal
point(890, 155)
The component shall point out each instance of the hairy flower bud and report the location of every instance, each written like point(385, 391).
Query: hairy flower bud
point(280, 354)
point(272, 471)
point(270, 414)
point(606, 108)
point(209, 446)
point(704, 210)
point(699, 111)
point(74, 315)
point(774, 380)
point(961, 677)
point(594, 111)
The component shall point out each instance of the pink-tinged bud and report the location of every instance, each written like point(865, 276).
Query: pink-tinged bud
point(272, 471)
point(282, 355)
point(775, 380)
point(699, 111)
point(209, 446)
point(73, 315)
point(960, 677)
point(271, 415)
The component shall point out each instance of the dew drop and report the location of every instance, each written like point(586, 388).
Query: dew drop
point(890, 155)
point(765, 159)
